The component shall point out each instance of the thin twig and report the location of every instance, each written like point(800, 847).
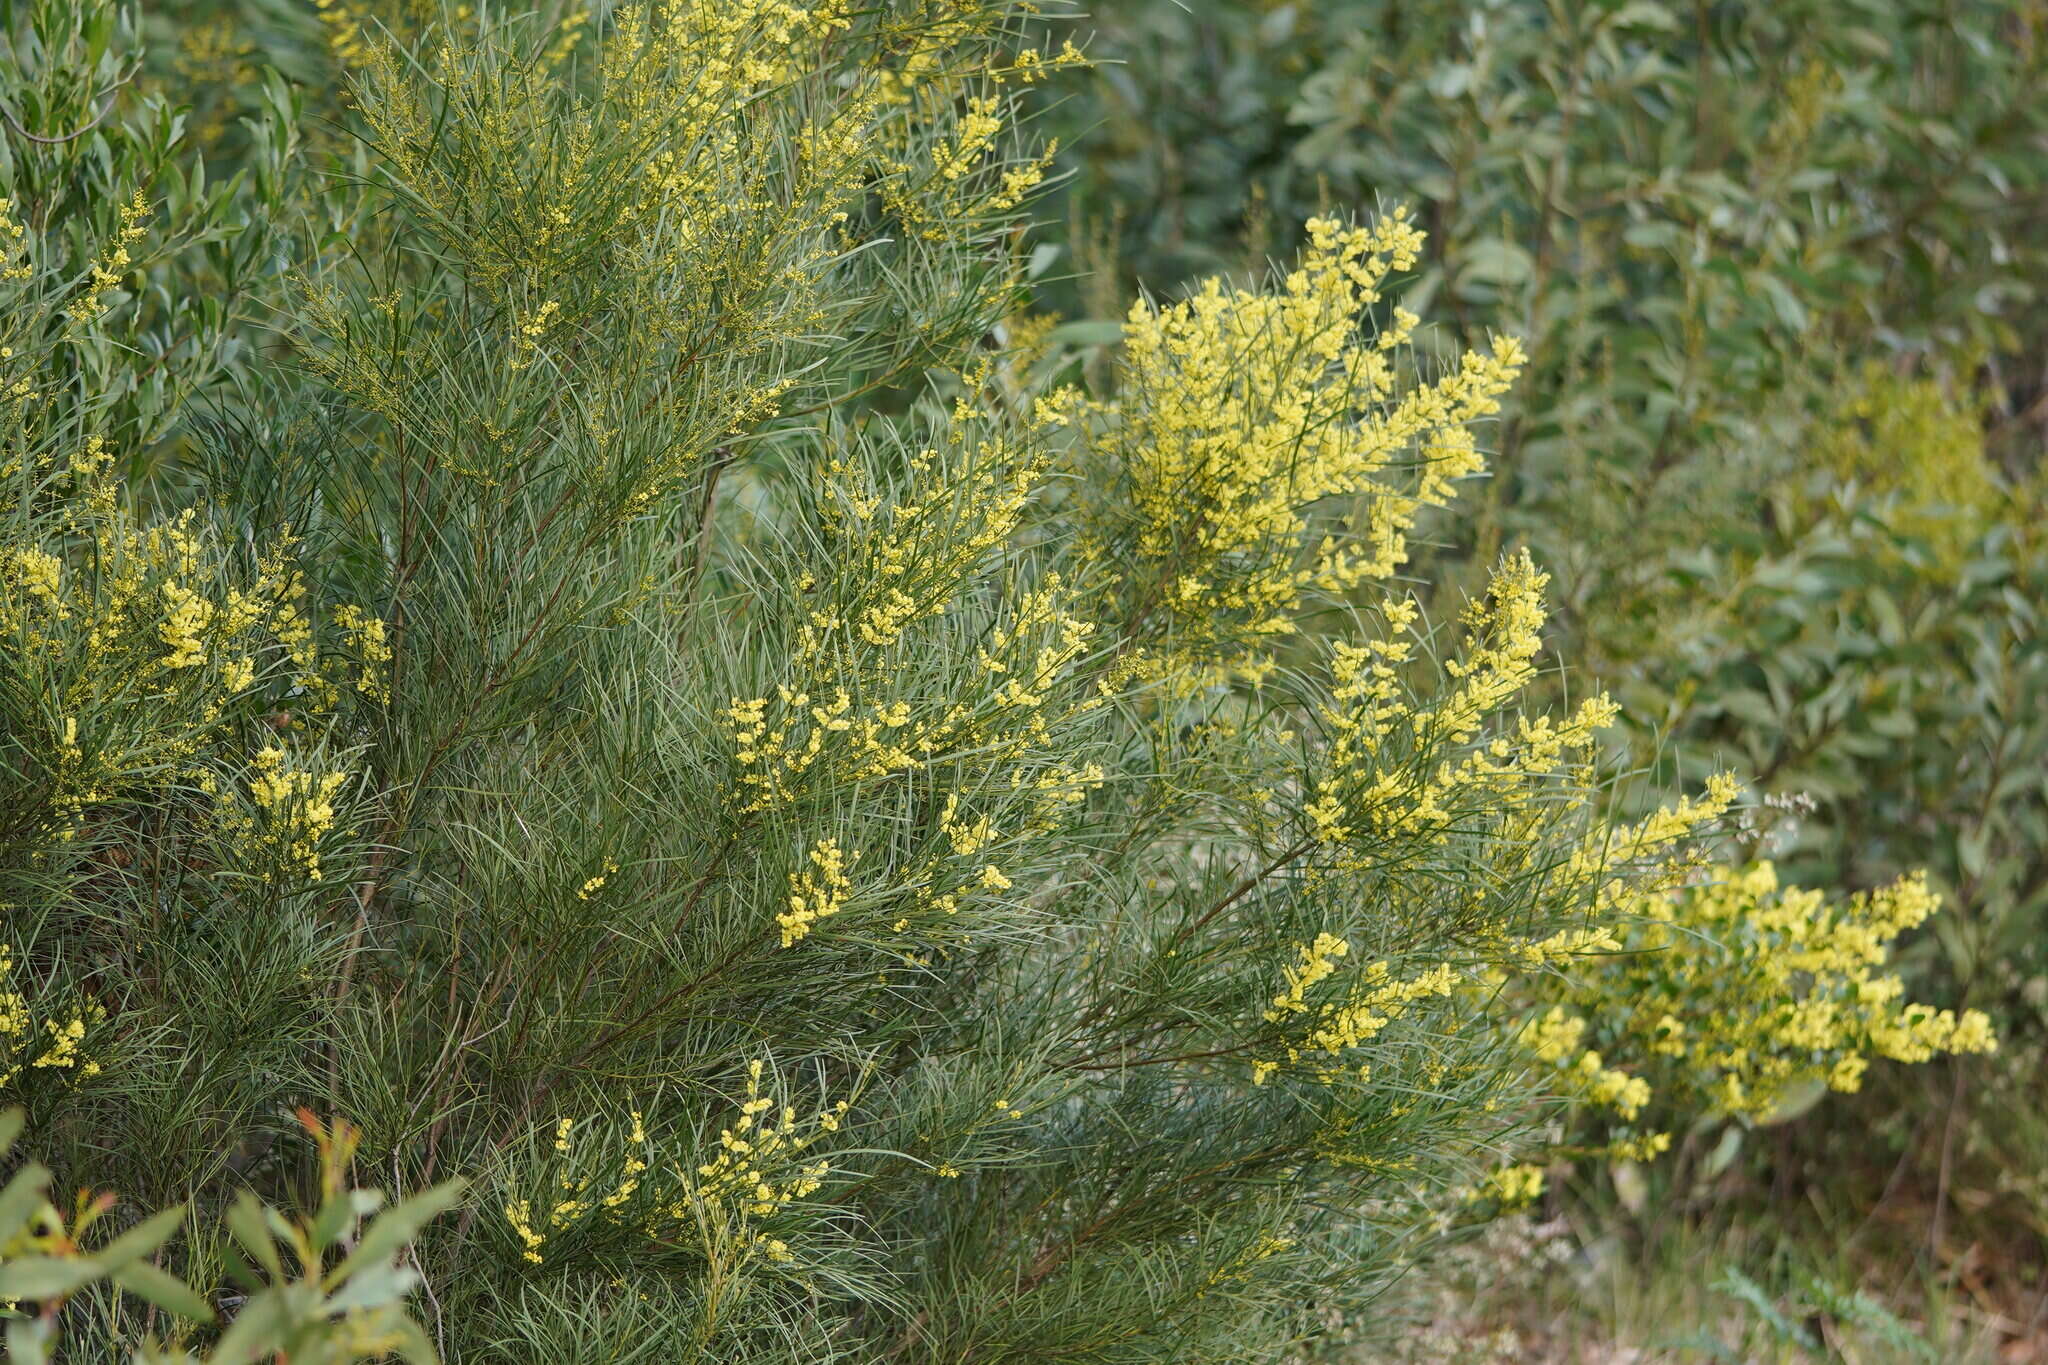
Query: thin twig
point(1938, 1224)
point(106, 107)
point(720, 462)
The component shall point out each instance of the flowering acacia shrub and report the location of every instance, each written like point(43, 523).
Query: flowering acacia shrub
point(1260, 447)
point(1779, 452)
point(172, 789)
point(1741, 996)
point(846, 854)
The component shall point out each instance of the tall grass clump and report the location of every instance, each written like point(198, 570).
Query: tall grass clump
point(624, 708)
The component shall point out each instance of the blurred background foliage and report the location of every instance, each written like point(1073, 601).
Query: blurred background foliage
point(1778, 269)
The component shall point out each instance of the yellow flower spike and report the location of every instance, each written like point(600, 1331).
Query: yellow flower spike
point(114, 261)
point(365, 636)
point(594, 884)
point(819, 891)
point(519, 1214)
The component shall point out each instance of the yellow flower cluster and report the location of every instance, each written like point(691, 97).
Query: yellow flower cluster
point(157, 607)
point(17, 1029)
point(755, 1167)
point(816, 892)
point(897, 562)
point(13, 246)
point(526, 344)
point(568, 1201)
point(1907, 439)
point(962, 181)
point(1740, 992)
point(519, 1214)
point(1514, 1187)
point(344, 22)
point(1368, 1003)
point(975, 134)
point(1352, 1014)
point(1626, 862)
point(365, 638)
point(1262, 449)
point(1358, 788)
point(759, 1169)
point(113, 263)
point(297, 808)
point(1242, 414)
point(186, 617)
point(900, 563)
point(706, 170)
point(679, 79)
point(33, 577)
point(1241, 1266)
point(595, 882)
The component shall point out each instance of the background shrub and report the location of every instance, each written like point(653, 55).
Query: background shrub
point(566, 613)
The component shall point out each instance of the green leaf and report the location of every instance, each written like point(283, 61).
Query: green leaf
point(381, 1285)
point(412, 1342)
point(336, 1217)
point(257, 1331)
point(24, 1195)
point(142, 1239)
point(247, 1222)
point(164, 1290)
point(1724, 1153)
point(1496, 262)
point(28, 1341)
point(1796, 1100)
point(1643, 14)
point(1087, 332)
point(43, 1278)
point(395, 1227)
point(1737, 1285)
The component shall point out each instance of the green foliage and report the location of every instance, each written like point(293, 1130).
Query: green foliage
point(1817, 1304)
point(167, 268)
point(617, 725)
point(1874, 649)
point(330, 1314)
point(41, 1261)
point(649, 693)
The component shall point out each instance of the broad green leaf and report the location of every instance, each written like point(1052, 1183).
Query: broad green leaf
point(144, 1238)
point(397, 1226)
point(40, 1278)
point(247, 1221)
point(23, 1196)
point(164, 1290)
